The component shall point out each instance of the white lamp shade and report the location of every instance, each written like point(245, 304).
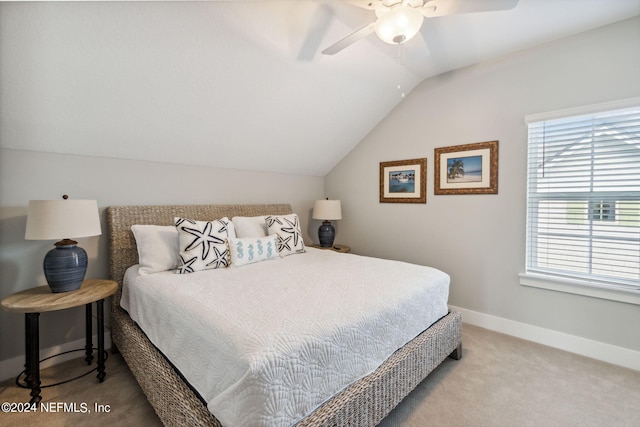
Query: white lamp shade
point(399, 24)
point(62, 219)
point(327, 210)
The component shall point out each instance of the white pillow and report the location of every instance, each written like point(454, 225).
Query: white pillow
point(158, 247)
point(253, 249)
point(287, 227)
point(203, 244)
point(231, 230)
point(250, 226)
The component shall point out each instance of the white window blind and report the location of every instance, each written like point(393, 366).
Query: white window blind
point(583, 202)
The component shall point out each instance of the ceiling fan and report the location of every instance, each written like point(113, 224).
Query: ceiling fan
point(399, 20)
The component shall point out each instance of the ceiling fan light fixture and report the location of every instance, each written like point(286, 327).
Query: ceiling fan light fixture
point(399, 25)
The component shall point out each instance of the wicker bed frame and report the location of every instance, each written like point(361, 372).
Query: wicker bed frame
point(364, 403)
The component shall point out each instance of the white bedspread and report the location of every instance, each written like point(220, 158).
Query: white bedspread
point(265, 344)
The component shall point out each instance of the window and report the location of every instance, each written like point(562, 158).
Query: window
point(603, 211)
point(583, 197)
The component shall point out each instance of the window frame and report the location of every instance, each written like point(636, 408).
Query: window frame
point(587, 284)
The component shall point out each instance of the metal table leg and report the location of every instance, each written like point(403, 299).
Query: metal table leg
point(101, 372)
point(89, 335)
point(32, 356)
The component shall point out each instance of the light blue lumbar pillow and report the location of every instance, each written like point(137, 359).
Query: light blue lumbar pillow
point(253, 249)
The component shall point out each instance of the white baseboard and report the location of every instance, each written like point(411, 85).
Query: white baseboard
point(594, 349)
point(11, 367)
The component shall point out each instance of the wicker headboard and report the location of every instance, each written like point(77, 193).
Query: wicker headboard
point(122, 246)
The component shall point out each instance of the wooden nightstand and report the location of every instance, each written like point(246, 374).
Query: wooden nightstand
point(343, 249)
point(36, 300)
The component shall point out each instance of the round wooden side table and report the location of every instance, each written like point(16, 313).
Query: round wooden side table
point(343, 249)
point(34, 301)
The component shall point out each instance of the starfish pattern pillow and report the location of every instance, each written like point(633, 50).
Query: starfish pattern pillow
point(203, 244)
point(287, 227)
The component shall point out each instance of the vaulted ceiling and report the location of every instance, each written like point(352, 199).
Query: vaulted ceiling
point(237, 84)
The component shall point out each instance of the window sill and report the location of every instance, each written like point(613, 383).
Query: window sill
point(579, 287)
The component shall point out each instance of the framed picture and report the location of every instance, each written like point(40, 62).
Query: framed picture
point(403, 181)
point(467, 169)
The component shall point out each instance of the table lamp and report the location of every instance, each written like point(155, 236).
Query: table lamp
point(327, 210)
point(66, 264)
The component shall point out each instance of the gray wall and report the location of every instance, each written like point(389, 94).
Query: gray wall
point(480, 239)
point(27, 175)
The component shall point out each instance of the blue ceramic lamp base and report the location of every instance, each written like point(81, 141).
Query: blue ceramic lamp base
point(65, 266)
point(326, 234)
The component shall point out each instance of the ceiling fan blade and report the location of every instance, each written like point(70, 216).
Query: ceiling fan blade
point(349, 40)
point(435, 8)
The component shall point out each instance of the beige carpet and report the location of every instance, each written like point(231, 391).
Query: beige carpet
point(500, 381)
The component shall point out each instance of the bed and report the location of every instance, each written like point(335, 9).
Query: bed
point(364, 402)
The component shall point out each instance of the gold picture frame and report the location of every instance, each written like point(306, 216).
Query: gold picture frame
point(403, 181)
point(466, 169)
